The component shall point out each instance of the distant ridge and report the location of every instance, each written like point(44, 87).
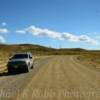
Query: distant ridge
point(40, 50)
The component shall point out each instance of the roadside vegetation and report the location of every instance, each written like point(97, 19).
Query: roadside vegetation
point(92, 59)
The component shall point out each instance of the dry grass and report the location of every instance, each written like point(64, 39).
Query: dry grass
point(92, 59)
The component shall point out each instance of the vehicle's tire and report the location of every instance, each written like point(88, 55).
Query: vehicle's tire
point(26, 70)
point(32, 66)
point(10, 71)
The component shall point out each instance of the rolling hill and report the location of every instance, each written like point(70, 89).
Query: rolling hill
point(38, 50)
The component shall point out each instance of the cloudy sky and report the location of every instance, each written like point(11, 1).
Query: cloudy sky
point(54, 23)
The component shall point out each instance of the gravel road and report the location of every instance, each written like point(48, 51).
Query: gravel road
point(54, 78)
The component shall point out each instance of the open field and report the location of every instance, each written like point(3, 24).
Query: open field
point(38, 51)
point(91, 58)
point(58, 75)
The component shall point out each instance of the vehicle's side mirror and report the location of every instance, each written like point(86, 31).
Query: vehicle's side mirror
point(10, 58)
point(30, 57)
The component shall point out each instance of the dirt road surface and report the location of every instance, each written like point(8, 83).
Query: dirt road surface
point(54, 78)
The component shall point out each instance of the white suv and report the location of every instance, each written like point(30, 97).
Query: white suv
point(20, 62)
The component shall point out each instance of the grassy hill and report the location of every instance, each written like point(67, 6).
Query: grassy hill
point(38, 50)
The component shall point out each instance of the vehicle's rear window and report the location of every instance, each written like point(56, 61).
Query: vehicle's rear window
point(20, 56)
